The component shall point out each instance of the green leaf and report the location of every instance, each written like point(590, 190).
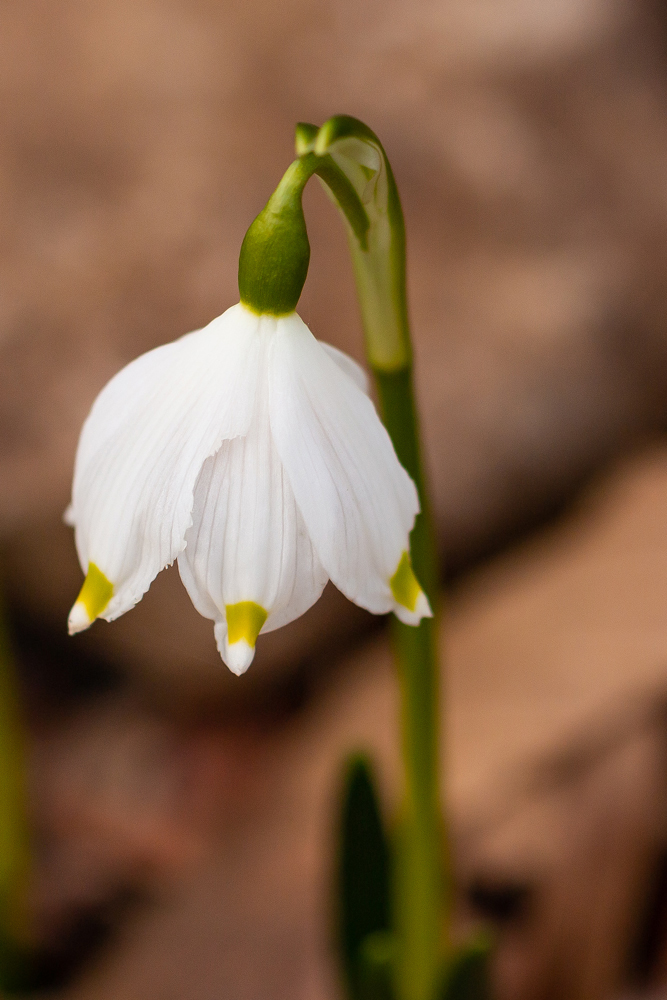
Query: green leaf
point(364, 913)
point(17, 968)
point(467, 977)
point(14, 849)
point(376, 966)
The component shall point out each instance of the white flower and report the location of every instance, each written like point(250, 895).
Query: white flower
point(252, 453)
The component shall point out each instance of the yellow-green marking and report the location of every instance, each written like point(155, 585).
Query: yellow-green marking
point(96, 592)
point(404, 585)
point(244, 621)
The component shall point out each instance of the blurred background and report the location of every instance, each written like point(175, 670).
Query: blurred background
point(182, 818)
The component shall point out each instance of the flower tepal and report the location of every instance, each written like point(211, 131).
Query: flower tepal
point(250, 452)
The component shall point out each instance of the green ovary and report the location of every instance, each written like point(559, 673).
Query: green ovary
point(244, 621)
point(96, 592)
point(404, 584)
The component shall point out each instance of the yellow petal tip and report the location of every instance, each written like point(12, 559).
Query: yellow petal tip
point(238, 656)
point(244, 623)
point(411, 602)
point(78, 618)
point(93, 598)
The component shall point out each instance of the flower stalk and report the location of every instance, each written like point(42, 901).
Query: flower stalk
point(357, 175)
point(419, 878)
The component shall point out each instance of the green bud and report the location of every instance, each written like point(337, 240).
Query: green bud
point(273, 263)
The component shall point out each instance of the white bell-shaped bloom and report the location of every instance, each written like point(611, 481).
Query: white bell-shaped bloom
point(252, 453)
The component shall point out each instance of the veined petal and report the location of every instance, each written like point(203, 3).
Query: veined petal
point(347, 365)
point(357, 501)
point(93, 598)
point(248, 544)
point(143, 446)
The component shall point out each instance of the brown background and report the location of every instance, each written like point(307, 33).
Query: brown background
point(137, 142)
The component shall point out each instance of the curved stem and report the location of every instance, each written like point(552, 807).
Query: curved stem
point(357, 175)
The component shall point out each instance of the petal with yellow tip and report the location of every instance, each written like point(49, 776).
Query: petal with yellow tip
point(245, 621)
point(411, 601)
point(93, 598)
point(357, 501)
point(248, 544)
point(144, 443)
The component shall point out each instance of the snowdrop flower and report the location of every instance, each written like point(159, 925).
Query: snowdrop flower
point(252, 454)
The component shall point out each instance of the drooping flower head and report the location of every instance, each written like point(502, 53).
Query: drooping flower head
point(251, 453)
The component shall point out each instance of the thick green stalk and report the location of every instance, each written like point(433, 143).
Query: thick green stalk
point(356, 165)
point(419, 891)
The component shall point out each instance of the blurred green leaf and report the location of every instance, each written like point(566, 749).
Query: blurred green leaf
point(17, 971)
point(14, 854)
point(364, 882)
point(467, 975)
point(375, 965)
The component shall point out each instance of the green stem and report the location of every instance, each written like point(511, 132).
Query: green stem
point(419, 896)
point(360, 180)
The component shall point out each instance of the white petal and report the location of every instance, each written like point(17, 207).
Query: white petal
point(347, 365)
point(78, 619)
point(238, 655)
point(248, 541)
point(357, 501)
point(144, 443)
point(422, 609)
